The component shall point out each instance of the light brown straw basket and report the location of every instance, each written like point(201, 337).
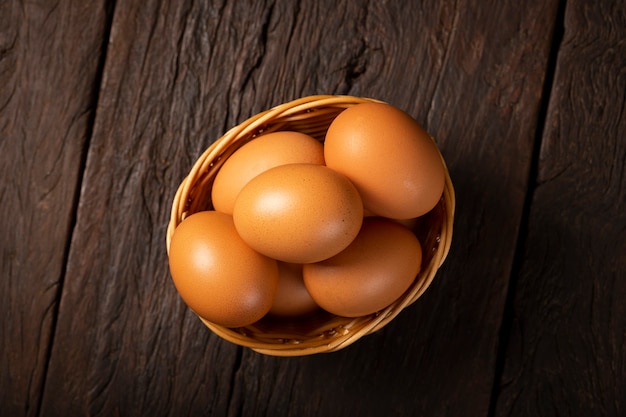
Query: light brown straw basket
point(322, 332)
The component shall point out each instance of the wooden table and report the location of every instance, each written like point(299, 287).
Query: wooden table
point(104, 107)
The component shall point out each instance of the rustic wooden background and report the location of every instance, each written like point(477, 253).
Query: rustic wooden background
point(105, 105)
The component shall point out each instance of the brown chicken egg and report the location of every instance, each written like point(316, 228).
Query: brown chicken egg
point(409, 223)
point(260, 154)
point(292, 298)
point(389, 157)
point(370, 274)
point(217, 274)
point(298, 213)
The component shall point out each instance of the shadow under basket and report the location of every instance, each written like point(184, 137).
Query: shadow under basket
point(319, 332)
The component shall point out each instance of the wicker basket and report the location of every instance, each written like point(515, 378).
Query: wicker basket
point(322, 332)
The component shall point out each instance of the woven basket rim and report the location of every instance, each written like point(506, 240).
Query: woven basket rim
point(310, 115)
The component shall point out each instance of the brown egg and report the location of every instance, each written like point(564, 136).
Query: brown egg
point(292, 298)
point(408, 223)
point(389, 157)
point(258, 155)
point(370, 274)
point(217, 274)
point(298, 213)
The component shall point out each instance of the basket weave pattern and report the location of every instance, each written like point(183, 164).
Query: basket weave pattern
point(323, 332)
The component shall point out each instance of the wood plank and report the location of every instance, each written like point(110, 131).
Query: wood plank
point(50, 62)
point(565, 354)
point(177, 76)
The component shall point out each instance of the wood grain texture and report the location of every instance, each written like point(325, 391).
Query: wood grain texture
point(50, 60)
point(566, 351)
point(178, 74)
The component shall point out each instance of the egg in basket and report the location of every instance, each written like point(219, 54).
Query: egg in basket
point(311, 225)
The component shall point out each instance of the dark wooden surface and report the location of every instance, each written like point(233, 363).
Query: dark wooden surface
point(104, 107)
